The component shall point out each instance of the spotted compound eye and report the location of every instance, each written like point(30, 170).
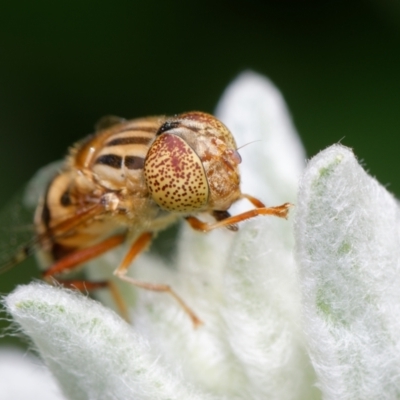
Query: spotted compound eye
point(175, 175)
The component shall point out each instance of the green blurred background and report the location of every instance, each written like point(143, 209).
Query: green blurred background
point(65, 64)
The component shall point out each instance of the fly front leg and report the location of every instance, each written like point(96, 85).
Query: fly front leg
point(137, 247)
point(74, 260)
point(279, 211)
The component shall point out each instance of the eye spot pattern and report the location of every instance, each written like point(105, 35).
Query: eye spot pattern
point(175, 175)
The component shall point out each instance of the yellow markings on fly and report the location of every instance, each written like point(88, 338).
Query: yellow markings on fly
point(122, 156)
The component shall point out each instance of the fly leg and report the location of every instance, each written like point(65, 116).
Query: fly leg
point(229, 221)
point(137, 247)
point(73, 260)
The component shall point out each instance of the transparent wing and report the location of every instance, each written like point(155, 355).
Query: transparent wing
point(17, 236)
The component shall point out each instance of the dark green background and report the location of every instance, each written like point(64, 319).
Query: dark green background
point(63, 64)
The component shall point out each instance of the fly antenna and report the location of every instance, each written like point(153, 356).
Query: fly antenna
point(246, 144)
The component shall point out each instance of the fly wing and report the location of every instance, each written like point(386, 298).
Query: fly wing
point(17, 235)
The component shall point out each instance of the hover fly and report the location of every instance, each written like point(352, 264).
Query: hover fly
point(131, 179)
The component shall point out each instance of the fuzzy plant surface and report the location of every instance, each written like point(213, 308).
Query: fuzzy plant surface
point(299, 309)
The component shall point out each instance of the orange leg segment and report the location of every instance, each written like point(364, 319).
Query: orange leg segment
point(74, 260)
point(137, 247)
point(256, 203)
point(70, 223)
point(279, 211)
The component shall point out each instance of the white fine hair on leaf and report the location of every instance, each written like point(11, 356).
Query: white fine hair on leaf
point(254, 110)
point(262, 314)
point(90, 350)
point(348, 247)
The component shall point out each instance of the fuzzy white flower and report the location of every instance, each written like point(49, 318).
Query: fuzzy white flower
point(282, 321)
